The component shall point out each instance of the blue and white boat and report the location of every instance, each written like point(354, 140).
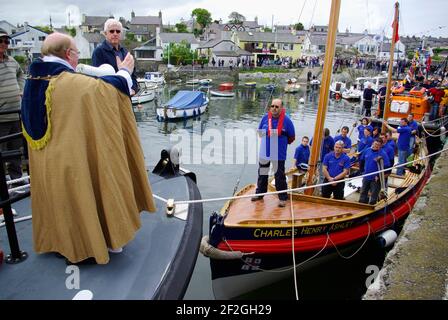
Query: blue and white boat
point(155, 77)
point(185, 104)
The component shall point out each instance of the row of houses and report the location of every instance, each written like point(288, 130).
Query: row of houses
point(219, 41)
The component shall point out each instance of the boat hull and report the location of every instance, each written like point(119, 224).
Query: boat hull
point(270, 248)
point(168, 113)
point(143, 96)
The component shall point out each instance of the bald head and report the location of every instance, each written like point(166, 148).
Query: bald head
point(56, 44)
point(62, 46)
point(276, 107)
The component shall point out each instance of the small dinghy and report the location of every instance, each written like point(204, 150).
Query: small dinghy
point(228, 94)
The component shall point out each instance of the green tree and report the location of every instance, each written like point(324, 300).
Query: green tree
point(179, 53)
point(236, 18)
point(71, 31)
point(203, 17)
point(181, 27)
point(267, 29)
point(45, 29)
point(299, 26)
point(130, 36)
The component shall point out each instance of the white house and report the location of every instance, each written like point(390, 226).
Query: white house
point(154, 48)
point(27, 43)
point(87, 42)
point(8, 27)
point(384, 51)
point(364, 43)
point(223, 49)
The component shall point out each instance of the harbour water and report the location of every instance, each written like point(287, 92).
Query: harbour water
point(340, 279)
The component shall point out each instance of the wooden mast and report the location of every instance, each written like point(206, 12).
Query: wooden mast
point(324, 92)
point(391, 67)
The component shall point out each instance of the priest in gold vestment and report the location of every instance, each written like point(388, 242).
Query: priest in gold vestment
point(88, 178)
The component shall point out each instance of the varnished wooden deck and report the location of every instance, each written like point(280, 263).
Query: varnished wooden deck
point(309, 210)
point(306, 210)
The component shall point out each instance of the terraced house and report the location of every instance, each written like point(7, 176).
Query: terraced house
point(269, 45)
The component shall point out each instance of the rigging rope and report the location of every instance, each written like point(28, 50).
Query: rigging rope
point(356, 252)
point(293, 247)
point(300, 15)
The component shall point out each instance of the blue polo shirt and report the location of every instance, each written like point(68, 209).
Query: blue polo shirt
point(413, 125)
point(390, 151)
point(347, 141)
point(392, 144)
point(335, 165)
point(275, 143)
point(404, 138)
point(302, 154)
point(364, 143)
point(327, 146)
point(361, 128)
point(370, 164)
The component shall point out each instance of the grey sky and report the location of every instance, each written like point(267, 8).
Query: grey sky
point(417, 17)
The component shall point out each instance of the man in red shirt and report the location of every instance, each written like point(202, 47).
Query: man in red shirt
point(438, 95)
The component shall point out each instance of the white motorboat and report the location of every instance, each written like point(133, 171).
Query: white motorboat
point(352, 94)
point(154, 77)
point(229, 94)
point(146, 93)
point(192, 82)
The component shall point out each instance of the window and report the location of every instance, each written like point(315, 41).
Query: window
point(42, 38)
point(147, 54)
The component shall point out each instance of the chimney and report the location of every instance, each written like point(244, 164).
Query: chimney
point(256, 20)
point(132, 14)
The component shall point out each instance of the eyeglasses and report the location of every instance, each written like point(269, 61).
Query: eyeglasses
point(275, 107)
point(5, 41)
point(115, 31)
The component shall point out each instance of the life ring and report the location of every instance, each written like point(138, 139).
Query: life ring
point(337, 96)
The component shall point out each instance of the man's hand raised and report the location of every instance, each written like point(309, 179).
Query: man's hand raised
point(127, 63)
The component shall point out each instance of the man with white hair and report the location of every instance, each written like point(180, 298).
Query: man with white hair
point(107, 51)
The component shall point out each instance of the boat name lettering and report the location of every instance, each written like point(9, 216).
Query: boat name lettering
point(341, 225)
point(313, 230)
point(273, 233)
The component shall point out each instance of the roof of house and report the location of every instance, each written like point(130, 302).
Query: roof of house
point(229, 53)
point(94, 37)
point(146, 20)
point(213, 43)
point(386, 48)
point(173, 37)
point(10, 25)
point(251, 24)
point(318, 39)
point(267, 37)
point(349, 39)
point(27, 30)
point(95, 20)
